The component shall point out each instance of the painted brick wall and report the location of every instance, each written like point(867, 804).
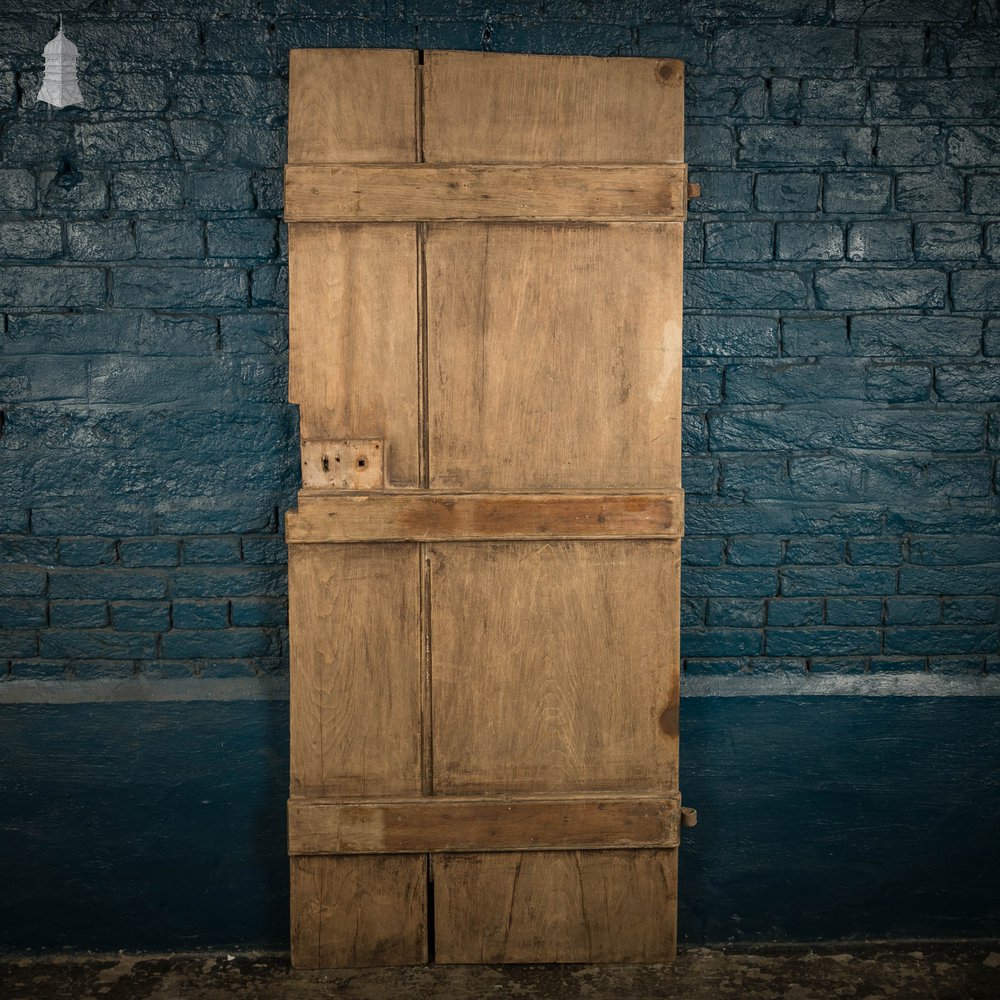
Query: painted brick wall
point(842, 381)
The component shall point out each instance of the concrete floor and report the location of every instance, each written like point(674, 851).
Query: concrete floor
point(866, 972)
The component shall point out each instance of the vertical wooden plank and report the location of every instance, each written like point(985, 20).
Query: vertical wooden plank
point(359, 910)
point(568, 906)
point(480, 107)
point(555, 356)
point(354, 619)
point(353, 337)
point(352, 106)
point(555, 667)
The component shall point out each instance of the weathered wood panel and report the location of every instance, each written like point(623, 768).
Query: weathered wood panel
point(521, 109)
point(555, 357)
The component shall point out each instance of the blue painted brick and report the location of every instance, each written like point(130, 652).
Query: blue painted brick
point(720, 642)
point(817, 581)
point(104, 643)
point(814, 337)
point(722, 96)
point(722, 191)
point(147, 190)
point(860, 192)
point(78, 614)
point(976, 291)
point(33, 287)
point(15, 614)
point(922, 98)
point(177, 240)
point(895, 46)
point(715, 666)
point(755, 551)
point(86, 551)
point(974, 580)
point(778, 665)
point(966, 550)
point(179, 287)
point(242, 238)
point(17, 643)
point(202, 614)
point(910, 145)
point(692, 612)
point(731, 288)
point(702, 385)
point(784, 97)
point(229, 582)
point(111, 240)
point(873, 551)
point(22, 581)
point(699, 475)
point(941, 639)
point(108, 584)
point(913, 611)
point(814, 550)
point(138, 552)
point(218, 190)
point(915, 336)
point(940, 190)
point(969, 610)
point(840, 100)
point(790, 613)
point(786, 192)
point(786, 46)
point(204, 643)
point(37, 240)
point(992, 250)
point(880, 288)
point(947, 241)
point(27, 549)
point(820, 145)
point(898, 664)
point(968, 383)
point(881, 240)
point(140, 616)
point(259, 612)
point(810, 241)
point(694, 243)
point(898, 383)
point(702, 551)
point(728, 336)
point(854, 611)
point(738, 241)
point(821, 641)
point(957, 664)
point(983, 194)
point(17, 189)
point(264, 550)
point(728, 581)
point(838, 664)
point(224, 549)
point(124, 141)
point(735, 612)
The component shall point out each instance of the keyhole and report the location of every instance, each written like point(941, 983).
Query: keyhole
point(361, 463)
point(326, 464)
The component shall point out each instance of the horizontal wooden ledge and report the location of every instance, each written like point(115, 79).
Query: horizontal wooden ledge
point(427, 516)
point(421, 192)
point(418, 826)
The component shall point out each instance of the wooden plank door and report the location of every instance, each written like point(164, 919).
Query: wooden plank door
point(485, 323)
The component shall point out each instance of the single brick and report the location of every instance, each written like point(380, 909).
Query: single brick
point(124, 141)
point(218, 190)
point(793, 381)
point(913, 611)
point(909, 145)
point(744, 289)
point(201, 643)
point(104, 643)
point(814, 337)
point(148, 552)
point(16, 643)
point(778, 665)
point(974, 580)
point(702, 385)
point(895, 46)
point(854, 611)
point(715, 666)
point(947, 241)
point(27, 549)
point(957, 664)
point(790, 613)
point(873, 551)
point(260, 612)
point(196, 139)
point(269, 285)
point(141, 616)
point(224, 549)
point(709, 146)
point(755, 551)
point(112, 240)
point(108, 584)
point(17, 190)
point(699, 475)
point(18, 614)
point(842, 100)
point(721, 96)
point(940, 190)
point(738, 241)
point(898, 383)
point(694, 243)
point(179, 287)
point(42, 286)
point(264, 550)
point(880, 288)
point(244, 581)
point(86, 551)
point(821, 641)
point(881, 240)
point(941, 639)
point(702, 551)
point(170, 240)
point(721, 191)
point(902, 10)
point(810, 241)
point(203, 614)
point(814, 550)
point(838, 664)
point(841, 145)
point(22, 581)
point(955, 549)
point(968, 383)
point(786, 192)
point(720, 642)
point(728, 581)
point(939, 99)
point(984, 194)
point(78, 614)
point(69, 190)
point(974, 146)
point(30, 240)
point(692, 613)
point(786, 46)
point(968, 610)
point(147, 190)
point(730, 336)
point(898, 664)
point(915, 336)
point(242, 238)
point(735, 612)
point(993, 243)
point(977, 290)
point(862, 192)
point(818, 581)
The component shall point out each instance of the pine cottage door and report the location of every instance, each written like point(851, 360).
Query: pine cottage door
point(485, 346)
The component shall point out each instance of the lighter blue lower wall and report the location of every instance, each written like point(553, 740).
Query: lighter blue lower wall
point(160, 825)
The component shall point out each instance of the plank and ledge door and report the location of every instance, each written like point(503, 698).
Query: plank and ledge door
point(485, 347)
